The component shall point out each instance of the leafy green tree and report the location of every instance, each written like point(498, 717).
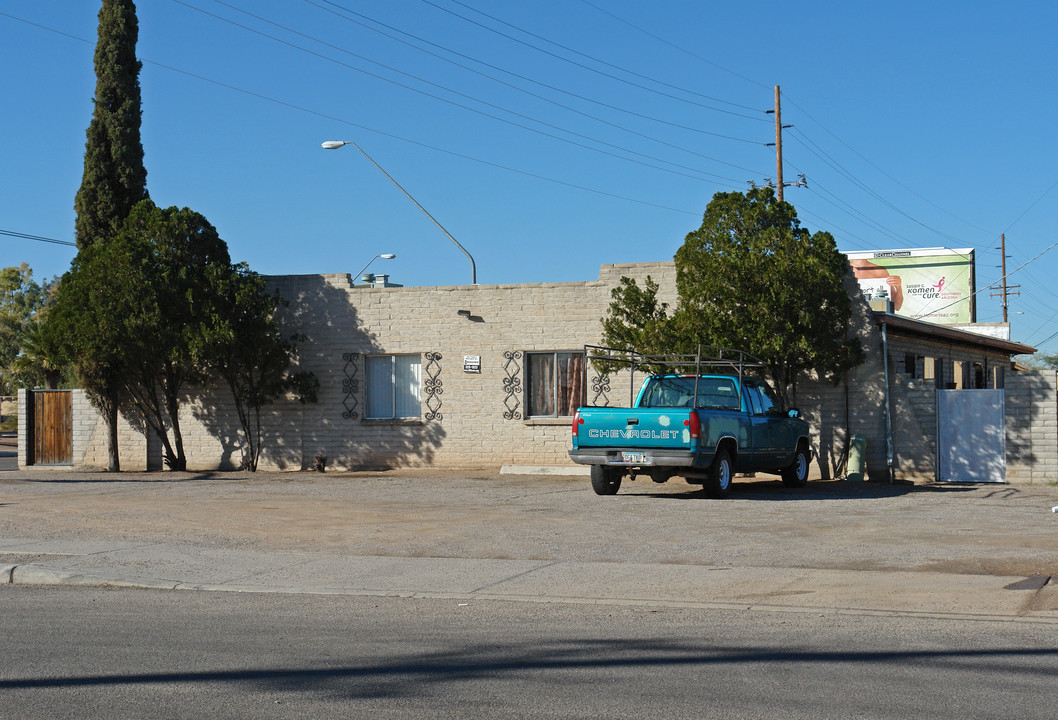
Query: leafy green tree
point(177, 257)
point(96, 325)
point(22, 301)
point(636, 319)
point(1040, 361)
point(159, 310)
point(38, 360)
point(251, 355)
point(749, 278)
point(133, 314)
point(115, 178)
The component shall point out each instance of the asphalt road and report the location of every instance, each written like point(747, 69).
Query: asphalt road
point(74, 652)
point(472, 594)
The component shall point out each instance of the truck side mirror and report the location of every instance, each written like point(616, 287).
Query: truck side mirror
point(793, 413)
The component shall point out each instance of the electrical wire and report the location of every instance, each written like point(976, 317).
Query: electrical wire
point(680, 48)
point(814, 148)
point(1027, 262)
point(37, 238)
point(880, 170)
point(345, 15)
point(583, 66)
point(298, 108)
point(463, 95)
point(1035, 202)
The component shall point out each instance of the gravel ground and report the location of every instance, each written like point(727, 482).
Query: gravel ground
point(994, 529)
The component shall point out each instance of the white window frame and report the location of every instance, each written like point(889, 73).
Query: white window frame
point(393, 386)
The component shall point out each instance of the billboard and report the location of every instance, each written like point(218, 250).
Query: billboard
point(931, 284)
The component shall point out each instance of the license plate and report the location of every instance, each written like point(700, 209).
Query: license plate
point(633, 458)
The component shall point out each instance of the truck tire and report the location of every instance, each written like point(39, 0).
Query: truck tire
point(720, 473)
point(795, 474)
point(604, 480)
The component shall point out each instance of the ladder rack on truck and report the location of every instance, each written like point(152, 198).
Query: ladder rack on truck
point(709, 359)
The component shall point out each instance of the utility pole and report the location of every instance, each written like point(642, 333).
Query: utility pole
point(778, 143)
point(1007, 289)
point(778, 152)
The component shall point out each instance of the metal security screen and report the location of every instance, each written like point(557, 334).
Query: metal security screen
point(971, 436)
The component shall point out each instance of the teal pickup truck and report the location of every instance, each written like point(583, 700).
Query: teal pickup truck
point(704, 427)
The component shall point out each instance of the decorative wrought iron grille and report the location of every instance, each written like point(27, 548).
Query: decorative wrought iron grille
point(432, 387)
point(600, 385)
point(351, 385)
point(512, 385)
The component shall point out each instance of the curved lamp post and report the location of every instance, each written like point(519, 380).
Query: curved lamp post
point(335, 144)
point(384, 256)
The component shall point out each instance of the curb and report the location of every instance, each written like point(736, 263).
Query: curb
point(44, 576)
point(37, 575)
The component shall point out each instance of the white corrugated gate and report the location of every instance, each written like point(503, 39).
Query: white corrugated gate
point(971, 436)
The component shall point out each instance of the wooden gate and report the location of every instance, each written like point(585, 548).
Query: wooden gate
point(52, 427)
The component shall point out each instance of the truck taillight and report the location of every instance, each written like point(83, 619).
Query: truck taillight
point(694, 425)
point(577, 422)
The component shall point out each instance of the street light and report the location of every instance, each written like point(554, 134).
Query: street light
point(335, 144)
point(384, 256)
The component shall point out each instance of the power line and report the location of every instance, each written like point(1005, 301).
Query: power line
point(880, 170)
point(37, 238)
point(464, 95)
point(505, 71)
point(325, 116)
point(814, 148)
point(988, 287)
point(589, 57)
point(680, 48)
point(1041, 197)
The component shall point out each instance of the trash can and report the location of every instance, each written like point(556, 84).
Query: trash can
point(857, 458)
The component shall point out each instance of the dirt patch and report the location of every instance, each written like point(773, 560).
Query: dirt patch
point(476, 514)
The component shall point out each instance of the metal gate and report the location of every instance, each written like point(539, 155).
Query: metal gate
point(52, 427)
point(971, 436)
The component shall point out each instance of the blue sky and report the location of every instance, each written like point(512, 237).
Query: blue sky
point(553, 136)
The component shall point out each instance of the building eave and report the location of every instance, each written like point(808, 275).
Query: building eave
point(950, 334)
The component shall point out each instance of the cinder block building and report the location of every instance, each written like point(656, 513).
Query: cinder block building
point(488, 375)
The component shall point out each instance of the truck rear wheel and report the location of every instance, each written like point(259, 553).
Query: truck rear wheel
point(719, 481)
point(795, 474)
point(604, 480)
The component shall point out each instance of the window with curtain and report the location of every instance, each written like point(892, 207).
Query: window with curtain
point(554, 383)
point(394, 387)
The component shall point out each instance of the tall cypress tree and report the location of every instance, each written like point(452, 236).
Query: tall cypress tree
point(114, 176)
point(114, 181)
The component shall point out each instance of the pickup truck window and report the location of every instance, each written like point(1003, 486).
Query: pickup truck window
point(763, 399)
point(718, 393)
point(753, 400)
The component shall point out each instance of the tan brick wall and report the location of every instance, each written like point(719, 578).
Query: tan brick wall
point(505, 322)
point(473, 430)
point(23, 398)
point(1032, 427)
